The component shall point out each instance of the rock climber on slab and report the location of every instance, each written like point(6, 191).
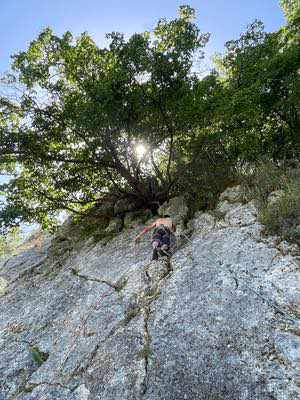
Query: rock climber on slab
point(163, 236)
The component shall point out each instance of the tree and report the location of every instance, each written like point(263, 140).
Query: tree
point(258, 109)
point(291, 9)
point(10, 242)
point(83, 109)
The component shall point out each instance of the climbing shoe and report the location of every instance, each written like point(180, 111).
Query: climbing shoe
point(154, 254)
point(164, 253)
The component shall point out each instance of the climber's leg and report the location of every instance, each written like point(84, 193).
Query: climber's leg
point(165, 246)
point(154, 255)
point(155, 245)
point(164, 251)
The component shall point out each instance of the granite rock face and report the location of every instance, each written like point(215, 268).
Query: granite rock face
point(178, 210)
point(115, 225)
point(232, 194)
point(275, 196)
point(220, 320)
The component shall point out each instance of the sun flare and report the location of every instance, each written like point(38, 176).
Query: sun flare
point(140, 150)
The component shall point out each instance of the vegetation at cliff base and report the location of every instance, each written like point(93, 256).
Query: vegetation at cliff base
point(275, 188)
point(135, 119)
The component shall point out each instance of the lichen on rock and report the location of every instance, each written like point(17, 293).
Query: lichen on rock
point(220, 320)
point(3, 286)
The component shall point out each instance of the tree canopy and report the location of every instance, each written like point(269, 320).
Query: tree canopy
point(71, 132)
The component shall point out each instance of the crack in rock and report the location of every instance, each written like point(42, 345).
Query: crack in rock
point(28, 271)
point(118, 286)
point(145, 352)
point(150, 294)
point(126, 366)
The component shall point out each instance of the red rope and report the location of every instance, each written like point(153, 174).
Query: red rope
point(81, 325)
point(96, 305)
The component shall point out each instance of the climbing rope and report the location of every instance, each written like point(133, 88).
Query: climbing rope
point(83, 321)
point(169, 254)
point(81, 326)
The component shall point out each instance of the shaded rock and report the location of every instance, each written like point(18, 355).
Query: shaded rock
point(275, 196)
point(3, 286)
point(288, 248)
point(202, 223)
point(178, 210)
point(157, 270)
point(232, 194)
point(115, 226)
point(288, 345)
point(81, 393)
point(176, 207)
point(135, 218)
point(124, 205)
point(223, 207)
point(242, 215)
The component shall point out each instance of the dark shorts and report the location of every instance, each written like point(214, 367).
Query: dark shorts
point(163, 236)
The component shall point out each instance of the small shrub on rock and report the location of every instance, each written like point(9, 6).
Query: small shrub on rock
point(283, 215)
point(275, 188)
point(261, 179)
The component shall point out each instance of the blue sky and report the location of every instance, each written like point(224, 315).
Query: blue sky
point(22, 20)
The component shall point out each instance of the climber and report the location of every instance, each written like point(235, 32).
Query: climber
point(163, 236)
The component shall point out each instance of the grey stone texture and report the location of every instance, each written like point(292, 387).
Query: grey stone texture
point(219, 320)
point(134, 218)
point(123, 205)
point(115, 225)
point(275, 196)
point(178, 210)
point(232, 194)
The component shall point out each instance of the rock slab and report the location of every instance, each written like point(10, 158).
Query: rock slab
point(220, 320)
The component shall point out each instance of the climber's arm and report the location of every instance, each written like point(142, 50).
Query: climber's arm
point(145, 230)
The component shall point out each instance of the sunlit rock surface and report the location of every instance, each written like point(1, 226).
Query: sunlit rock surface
point(98, 321)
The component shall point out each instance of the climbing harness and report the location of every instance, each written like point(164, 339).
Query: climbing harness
point(163, 235)
point(169, 253)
